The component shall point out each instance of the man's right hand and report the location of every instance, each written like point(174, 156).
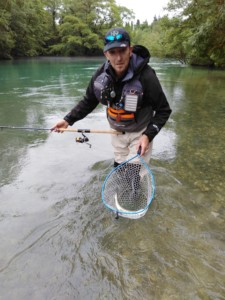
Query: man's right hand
point(60, 124)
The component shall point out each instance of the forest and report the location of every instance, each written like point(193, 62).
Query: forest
point(192, 31)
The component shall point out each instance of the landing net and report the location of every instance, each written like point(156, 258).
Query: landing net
point(129, 189)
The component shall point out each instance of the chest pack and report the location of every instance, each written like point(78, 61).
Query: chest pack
point(122, 103)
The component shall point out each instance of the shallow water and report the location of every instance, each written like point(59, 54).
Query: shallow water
point(58, 241)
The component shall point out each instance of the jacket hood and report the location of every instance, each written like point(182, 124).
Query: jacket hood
point(139, 60)
point(142, 51)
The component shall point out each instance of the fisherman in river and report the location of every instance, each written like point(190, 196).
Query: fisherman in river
point(130, 89)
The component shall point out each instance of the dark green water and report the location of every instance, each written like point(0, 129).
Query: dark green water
point(57, 239)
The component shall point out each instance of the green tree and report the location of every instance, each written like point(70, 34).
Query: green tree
point(54, 8)
point(202, 24)
point(83, 24)
point(150, 36)
point(6, 34)
point(174, 38)
point(69, 27)
point(24, 28)
point(76, 38)
point(28, 23)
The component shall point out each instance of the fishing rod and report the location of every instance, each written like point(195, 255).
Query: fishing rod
point(64, 130)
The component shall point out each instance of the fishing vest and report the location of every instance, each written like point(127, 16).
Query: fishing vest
point(120, 108)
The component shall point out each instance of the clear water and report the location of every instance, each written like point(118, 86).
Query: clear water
point(58, 241)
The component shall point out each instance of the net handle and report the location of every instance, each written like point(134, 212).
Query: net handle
point(139, 151)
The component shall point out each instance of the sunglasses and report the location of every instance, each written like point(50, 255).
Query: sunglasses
point(112, 38)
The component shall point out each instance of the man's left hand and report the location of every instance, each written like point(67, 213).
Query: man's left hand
point(144, 144)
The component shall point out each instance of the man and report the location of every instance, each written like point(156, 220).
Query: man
point(128, 86)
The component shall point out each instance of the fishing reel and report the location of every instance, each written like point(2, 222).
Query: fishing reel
point(82, 140)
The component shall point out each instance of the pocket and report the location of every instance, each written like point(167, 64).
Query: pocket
point(120, 115)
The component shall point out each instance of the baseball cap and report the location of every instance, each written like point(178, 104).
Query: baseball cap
point(116, 38)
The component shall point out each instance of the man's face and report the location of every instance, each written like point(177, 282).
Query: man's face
point(119, 59)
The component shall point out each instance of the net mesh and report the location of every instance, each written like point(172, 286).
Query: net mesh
point(129, 189)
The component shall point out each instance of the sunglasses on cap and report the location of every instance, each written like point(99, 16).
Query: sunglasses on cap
point(112, 38)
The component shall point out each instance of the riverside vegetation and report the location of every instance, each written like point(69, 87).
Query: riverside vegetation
point(191, 31)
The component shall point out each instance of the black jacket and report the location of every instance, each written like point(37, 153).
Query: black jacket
point(155, 109)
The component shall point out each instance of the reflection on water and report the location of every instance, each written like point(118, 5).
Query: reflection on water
point(57, 239)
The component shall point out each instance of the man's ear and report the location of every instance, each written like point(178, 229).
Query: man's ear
point(106, 54)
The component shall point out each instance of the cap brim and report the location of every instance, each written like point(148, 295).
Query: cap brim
point(116, 44)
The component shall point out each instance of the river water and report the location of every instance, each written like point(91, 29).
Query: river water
point(57, 239)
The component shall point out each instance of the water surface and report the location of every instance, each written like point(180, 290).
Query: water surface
point(57, 239)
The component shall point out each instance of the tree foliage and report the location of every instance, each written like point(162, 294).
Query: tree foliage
point(6, 35)
point(60, 27)
point(76, 38)
point(23, 28)
point(201, 30)
point(82, 25)
point(194, 33)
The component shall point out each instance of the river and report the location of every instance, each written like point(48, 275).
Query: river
point(58, 241)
